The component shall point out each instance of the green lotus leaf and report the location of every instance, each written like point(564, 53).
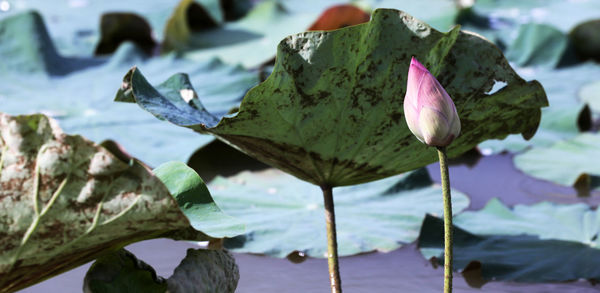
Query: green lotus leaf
point(331, 111)
point(201, 271)
point(284, 214)
point(196, 202)
point(565, 161)
point(67, 200)
point(565, 118)
point(544, 242)
point(82, 100)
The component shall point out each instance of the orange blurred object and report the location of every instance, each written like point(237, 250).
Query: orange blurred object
point(340, 16)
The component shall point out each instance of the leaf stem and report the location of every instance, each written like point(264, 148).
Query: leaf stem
point(332, 253)
point(447, 219)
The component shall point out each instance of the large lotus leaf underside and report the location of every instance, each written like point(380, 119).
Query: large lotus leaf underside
point(65, 200)
point(331, 111)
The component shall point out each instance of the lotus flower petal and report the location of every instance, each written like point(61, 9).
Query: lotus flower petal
point(430, 112)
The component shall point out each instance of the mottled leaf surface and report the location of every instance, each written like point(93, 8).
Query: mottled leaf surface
point(331, 111)
point(565, 161)
point(544, 242)
point(284, 214)
point(65, 200)
point(565, 118)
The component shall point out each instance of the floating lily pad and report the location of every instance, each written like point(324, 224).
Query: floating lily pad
point(586, 40)
point(565, 161)
point(537, 45)
point(190, 16)
point(590, 94)
point(544, 242)
point(118, 27)
point(200, 271)
point(253, 39)
point(551, 12)
point(331, 111)
point(74, 26)
point(26, 48)
point(82, 100)
point(565, 118)
point(443, 17)
point(284, 214)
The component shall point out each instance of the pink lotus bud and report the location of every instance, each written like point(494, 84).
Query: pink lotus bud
point(430, 113)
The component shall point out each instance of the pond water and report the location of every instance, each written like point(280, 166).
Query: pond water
point(402, 270)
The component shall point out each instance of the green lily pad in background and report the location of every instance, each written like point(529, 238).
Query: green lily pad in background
point(442, 18)
point(252, 39)
point(118, 27)
point(551, 12)
point(201, 271)
point(67, 200)
point(336, 119)
point(500, 20)
point(74, 26)
point(190, 16)
point(586, 40)
point(565, 118)
point(26, 48)
point(537, 44)
point(82, 100)
point(284, 214)
point(590, 94)
point(544, 242)
point(565, 161)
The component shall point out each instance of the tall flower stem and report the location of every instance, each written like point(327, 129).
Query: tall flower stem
point(332, 253)
point(447, 220)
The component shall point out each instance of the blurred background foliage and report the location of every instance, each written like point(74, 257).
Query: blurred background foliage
point(66, 58)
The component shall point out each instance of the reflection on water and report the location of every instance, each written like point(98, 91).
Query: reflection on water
point(403, 270)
